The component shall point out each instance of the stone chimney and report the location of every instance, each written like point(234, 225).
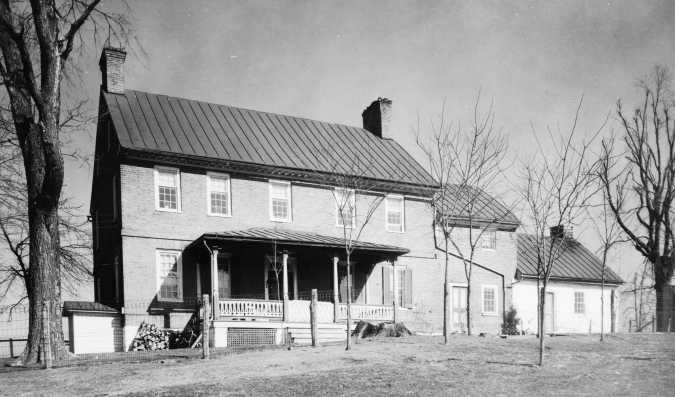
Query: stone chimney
point(112, 70)
point(377, 118)
point(561, 231)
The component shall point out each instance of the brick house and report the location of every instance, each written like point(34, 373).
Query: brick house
point(191, 198)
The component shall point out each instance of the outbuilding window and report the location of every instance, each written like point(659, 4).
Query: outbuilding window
point(579, 304)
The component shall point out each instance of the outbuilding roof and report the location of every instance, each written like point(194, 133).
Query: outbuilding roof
point(464, 203)
point(289, 237)
point(160, 123)
point(576, 262)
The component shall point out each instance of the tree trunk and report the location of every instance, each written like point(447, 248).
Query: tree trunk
point(542, 326)
point(43, 162)
point(468, 306)
point(349, 305)
point(663, 273)
point(446, 297)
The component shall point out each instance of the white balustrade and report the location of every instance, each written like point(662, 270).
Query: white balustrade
point(251, 308)
point(368, 312)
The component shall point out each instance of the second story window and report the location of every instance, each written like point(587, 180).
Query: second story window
point(345, 208)
point(280, 201)
point(218, 195)
point(167, 189)
point(489, 239)
point(394, 208)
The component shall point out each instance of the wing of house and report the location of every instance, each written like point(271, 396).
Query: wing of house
point(573, 301)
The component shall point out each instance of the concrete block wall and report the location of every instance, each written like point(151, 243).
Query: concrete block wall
point(565, 319)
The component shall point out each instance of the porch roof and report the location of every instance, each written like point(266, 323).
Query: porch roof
point(289, 237)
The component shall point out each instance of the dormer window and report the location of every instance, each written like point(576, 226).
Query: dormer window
point(167, 189)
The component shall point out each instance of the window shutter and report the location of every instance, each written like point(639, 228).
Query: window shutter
point(386, 288)
point(407, 289)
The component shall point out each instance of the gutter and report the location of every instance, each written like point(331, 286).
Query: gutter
point(577, 280)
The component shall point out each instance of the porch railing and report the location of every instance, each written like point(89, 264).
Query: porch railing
point(251, 308)
point(368, 312)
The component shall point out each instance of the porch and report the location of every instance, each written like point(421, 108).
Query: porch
point(262, 279)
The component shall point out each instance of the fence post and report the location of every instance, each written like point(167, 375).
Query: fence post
point(653, 324)
point(630, 326)
point(11, 348)
point(206, 328)
point(46, 336)
point(312, 319)
point(669, 318)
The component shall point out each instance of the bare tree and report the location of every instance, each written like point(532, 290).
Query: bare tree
point(640, 190)
point(638, 298)
point(357, 195)
point(468, 165)
point(37, 40)
point(610, 235)
point(555, 188)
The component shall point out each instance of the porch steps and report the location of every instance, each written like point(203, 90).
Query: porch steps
point(303, 336)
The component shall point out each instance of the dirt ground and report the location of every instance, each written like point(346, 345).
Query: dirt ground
point(624, 365)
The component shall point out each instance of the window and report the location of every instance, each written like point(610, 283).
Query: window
point(579, 305)
point(114, 196)
point(489, 299)
point(394, 209)
point(489, 239)
point(169, 274)
point(345, 208)
point(218, 194)
point(403, 291)
point(280, 201)
point(167, 189)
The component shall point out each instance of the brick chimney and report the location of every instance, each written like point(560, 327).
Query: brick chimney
point(112, 70)
point(377, 118)
point(561, 231)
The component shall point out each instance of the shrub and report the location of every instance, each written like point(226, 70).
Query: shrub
point(510, 326)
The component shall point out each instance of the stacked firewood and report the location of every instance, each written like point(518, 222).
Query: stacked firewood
point(150, 337)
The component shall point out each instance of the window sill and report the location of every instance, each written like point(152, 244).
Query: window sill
point(394, 231)
point(490, 314)
point(341, 227)
point(165, 210)
point(178, 300)
point(219, 215)
point(281, 220)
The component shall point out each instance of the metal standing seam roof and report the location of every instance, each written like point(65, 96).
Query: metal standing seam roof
point(485, 207)
point(84, 306)
point(576, 261)
point(152, 122)
point(289, 237)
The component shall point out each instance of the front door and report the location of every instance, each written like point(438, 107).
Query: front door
point(549, 317)
point(224, 276)
point(459, 309)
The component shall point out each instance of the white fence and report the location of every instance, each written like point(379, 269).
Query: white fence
point(368, 312)
point(251, 308)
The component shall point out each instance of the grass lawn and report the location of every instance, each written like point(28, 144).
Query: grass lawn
point(623, 365)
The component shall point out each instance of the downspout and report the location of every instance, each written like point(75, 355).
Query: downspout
point(503, 286)
point(210, 273)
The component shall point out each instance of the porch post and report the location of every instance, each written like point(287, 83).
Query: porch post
point(395, 285)
point(336, 299)
point(286, 302)
point(214, 283)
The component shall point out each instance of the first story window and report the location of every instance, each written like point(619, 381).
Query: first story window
point(345, 208)
point(280, 201)
point(394, 210)
point(169, 276)
point(218, 194)
point(167, 189)
point(489, 239)
point(399, 289)
point(579, 304)
point(490, 299)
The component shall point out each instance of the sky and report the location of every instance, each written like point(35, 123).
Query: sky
point(328, 60)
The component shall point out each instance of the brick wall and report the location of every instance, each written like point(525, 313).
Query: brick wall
point(313, 210)
point(565, 319)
